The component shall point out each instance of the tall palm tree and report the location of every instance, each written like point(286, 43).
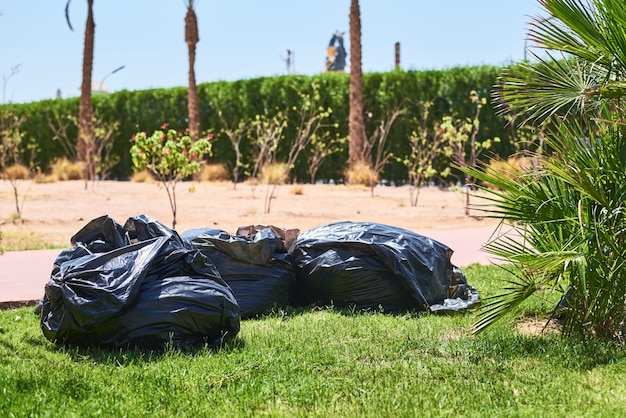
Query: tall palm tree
point(356, 123)
point(569, 213)
point(192, 38)
point(85, 110)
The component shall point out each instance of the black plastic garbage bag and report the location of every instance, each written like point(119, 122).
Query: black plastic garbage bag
point(104, 234)
point(101, 235)
point(375, 266)
point(145, 294)
point(143, 227)
point(258, 269)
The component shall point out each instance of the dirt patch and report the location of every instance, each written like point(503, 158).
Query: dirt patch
point(536, 327)
point(56, 211)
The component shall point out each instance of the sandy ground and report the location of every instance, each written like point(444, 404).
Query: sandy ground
point(54, 212)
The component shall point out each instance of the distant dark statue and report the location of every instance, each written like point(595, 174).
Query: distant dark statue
point(290, 61)
point(336, 58)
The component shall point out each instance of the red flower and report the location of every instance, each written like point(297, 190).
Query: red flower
point(209, 136)
point(164, 126)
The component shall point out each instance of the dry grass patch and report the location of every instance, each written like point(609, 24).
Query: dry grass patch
point(274, 173)
point(143, 176)
point(512, 167)
point(361, 174)
point(297, 190)
point(212, 172)
point(42, 178)
point(64, 170)
point(15, 238)
point(17, 172)
point(538, 326)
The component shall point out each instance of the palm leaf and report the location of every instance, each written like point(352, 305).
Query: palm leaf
point(67, 14)
point(550, 87)
point(590, 37)
point(568, 217)
point(517, 290)
point(572, 27)
point(592, 31)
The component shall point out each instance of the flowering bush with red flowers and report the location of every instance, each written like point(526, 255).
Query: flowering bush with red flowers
point(170, 156)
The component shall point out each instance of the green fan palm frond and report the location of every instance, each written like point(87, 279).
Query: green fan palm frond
point(591, 159)
point(614, 20)
point(567, 216)
point(552, 87)
point(538, 234)
point(589, 37)
point(522, 286)
point(513, 248)
point(590, 30)
point(572, 27)
point(566, 227)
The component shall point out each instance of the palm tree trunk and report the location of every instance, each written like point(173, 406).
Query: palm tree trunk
point(85, 111)
point(356, 124)
point(192, 38)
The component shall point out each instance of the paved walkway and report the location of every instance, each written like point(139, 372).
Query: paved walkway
point(23, 274)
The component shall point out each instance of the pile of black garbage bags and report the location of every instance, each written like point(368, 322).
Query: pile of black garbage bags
point(144, 285)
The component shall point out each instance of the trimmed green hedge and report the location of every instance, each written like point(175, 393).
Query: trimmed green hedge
point(147, 110)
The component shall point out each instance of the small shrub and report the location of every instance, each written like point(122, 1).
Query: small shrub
point(142, 176)
point(251, 181)
point(63, 169)
point(43, 178)
point(361, 174)
point(297, 190)
point(17, 172)
point(170, 156)
point(212, 172)
point(273, 173)
point(512, 167)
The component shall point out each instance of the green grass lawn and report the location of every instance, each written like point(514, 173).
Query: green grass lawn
point(324, 362)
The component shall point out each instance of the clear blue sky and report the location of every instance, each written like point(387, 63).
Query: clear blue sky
point(243, 39)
